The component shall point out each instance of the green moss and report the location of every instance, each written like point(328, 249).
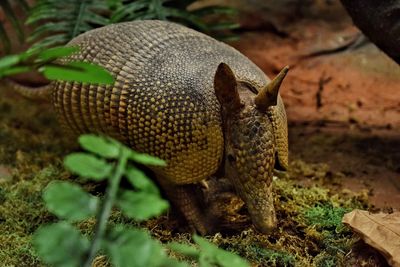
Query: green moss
point(325, 260)
point(326, 217)
point(30, 150)
point(22, 211)
point(269, 257)
point(16, 250)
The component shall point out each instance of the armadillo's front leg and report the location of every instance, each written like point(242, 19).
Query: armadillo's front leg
point(186, 199)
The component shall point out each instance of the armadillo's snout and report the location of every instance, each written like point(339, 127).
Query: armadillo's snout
point(267, 222)
point(262, 211)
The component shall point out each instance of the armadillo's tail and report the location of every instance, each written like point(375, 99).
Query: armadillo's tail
point(35, 93)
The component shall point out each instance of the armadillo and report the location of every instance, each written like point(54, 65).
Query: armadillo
point(189, 99)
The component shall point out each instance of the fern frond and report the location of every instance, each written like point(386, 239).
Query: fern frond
point(61, 21)
point(9, 12)
point(221, 10)
point(10, 15)
point(4, 39)
point(129, 10)
point(175, 10)
point(24, 5)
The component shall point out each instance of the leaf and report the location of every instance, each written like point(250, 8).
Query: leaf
point(15, 70)
point(204, 245)
point(177, 11)
point(140, 205)
point(60, 245)
point(133, 247)
point(140, 181)
point(215, 10)
point(99, 145)
point(225, 26)
point(41, 12)
point(55, 39)
point(69, 19)
point(184, 249)
point(68, 201)
point(11, 16)
point(77, 71)
point(204, 261)
point(382, 231)
point(168, 262)
point(56, 52)
point(24, 5)
point(93, 18)
point(210, 252)
point(5, 39)
point(88, 166)
point(125, 11)
point(146, 159)
point(229, 259)
point(43, 30)
point(9, 61)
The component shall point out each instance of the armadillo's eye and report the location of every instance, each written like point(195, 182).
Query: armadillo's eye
point(231, 158)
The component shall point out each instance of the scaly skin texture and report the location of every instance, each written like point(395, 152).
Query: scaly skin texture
point(250, 146)
point(164, 103)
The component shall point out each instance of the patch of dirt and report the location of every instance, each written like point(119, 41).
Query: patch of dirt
point(359, 86)
point(365, 161)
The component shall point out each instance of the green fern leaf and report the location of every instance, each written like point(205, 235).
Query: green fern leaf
point(24, 5)
point(4, 38)
point(51, 41)
point(9, 12)
point(62, 21)
point(175, 10)
point(44, 29)
point(65, 20)
point(127, 11)
point(11, 16)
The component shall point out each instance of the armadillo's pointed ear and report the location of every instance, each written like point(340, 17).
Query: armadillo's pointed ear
point(268, 96)
point(225, 86)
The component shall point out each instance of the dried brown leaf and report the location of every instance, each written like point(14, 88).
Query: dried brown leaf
point(382, 231)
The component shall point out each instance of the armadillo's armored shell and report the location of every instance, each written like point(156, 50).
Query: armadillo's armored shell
point(279, 122)
point(163, 102)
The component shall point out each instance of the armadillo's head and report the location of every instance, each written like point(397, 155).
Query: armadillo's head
point(255, 135)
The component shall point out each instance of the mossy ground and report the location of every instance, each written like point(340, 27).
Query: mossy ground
point(32, 147)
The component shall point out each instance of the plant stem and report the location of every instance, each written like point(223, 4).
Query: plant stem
point(107, 204)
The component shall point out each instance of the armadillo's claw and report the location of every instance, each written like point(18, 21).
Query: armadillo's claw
point(204, 184)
